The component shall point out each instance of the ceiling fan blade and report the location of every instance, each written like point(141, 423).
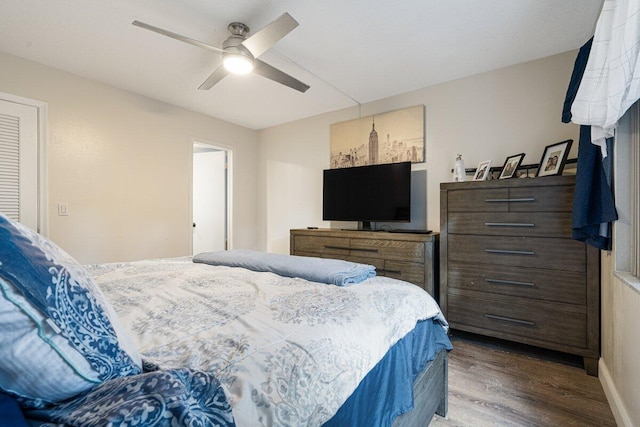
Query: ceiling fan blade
point(177, 37)
point(266, 70)
point(214, 78)
point(261, 41)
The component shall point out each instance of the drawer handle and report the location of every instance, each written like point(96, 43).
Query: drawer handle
point(508, 224)
point(509, 252)
point(510, 282)
point(523, 199)
point(346, 248)
point(364, 250)
point(509, 319)
point(336, 247)
point(392, 271)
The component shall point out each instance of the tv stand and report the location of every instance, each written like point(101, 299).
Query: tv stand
point(365, 226)
point(405, 256)
point(399, 230)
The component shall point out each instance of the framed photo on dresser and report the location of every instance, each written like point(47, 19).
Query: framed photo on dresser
point(553, 158)
point(482, 171)
point(511, 165)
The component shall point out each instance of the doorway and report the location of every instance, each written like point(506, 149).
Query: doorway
point(210, 198)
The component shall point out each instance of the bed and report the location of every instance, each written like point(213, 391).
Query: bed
point(198, 344)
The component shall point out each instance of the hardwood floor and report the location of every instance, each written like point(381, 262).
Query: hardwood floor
point(495, 383)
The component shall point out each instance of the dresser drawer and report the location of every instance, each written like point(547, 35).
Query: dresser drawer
point(540, 224)
point(519, 317)
point(322, 245)
point(525, 199)
point(537, 252)
point(545, 199)
point(550, 285)
point(477, 200)
point(388, 249)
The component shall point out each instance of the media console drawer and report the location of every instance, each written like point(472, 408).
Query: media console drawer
point(323, 245)
point(404, 256)
point(388, 249)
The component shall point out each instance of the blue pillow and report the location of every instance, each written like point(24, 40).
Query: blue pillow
point(60, 336)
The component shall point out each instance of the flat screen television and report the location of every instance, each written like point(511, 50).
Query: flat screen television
point(367, 193)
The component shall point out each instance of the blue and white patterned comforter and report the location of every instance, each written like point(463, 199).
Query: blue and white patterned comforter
point(285, 350)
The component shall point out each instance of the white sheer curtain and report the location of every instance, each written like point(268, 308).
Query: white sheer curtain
point(611, 81)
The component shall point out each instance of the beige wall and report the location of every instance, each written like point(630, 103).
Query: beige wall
point(487, 116)
point(620, 293)
point(122, 162)
point(620, 341)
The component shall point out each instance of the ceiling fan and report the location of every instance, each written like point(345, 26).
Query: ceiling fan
point(240, 53)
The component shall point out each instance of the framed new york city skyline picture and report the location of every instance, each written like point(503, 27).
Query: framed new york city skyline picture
point(394, 136)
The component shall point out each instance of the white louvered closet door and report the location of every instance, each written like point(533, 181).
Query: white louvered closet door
point(19, 162)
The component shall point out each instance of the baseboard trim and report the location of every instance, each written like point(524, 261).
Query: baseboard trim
point(617, 406)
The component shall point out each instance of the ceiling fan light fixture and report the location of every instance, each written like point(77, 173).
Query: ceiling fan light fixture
point(237, 63)
point(240, 52)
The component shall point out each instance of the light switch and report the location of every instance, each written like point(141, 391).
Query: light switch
point(63, 209)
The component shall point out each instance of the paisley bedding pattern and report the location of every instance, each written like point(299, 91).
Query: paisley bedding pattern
point(285, 350)
point(178, 397)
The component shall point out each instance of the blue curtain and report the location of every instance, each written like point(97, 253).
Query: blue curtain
point(593, 204)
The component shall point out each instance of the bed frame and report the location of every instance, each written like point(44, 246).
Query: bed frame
point(430, 394)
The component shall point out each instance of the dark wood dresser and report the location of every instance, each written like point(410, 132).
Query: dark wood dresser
point(405, 256)
point(510, 270)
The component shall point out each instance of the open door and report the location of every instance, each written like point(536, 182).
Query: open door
point(210, 198)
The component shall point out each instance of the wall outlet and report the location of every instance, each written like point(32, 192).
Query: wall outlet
point(63, 209)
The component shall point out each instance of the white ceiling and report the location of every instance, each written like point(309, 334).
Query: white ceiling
point(349, 51)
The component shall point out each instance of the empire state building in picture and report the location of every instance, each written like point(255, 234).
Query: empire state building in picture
point(373, 144)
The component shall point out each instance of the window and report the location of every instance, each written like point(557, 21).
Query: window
point(635, 181)
point(627, 193)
